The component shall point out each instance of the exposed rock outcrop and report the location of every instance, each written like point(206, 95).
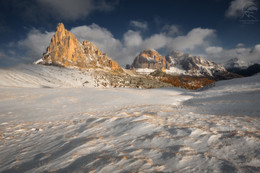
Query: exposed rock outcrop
point(65, 50)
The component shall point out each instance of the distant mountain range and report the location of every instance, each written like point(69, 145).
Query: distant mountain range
point(176, 69)
point(180, 64)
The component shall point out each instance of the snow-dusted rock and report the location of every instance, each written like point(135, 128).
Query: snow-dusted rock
point(178, 63)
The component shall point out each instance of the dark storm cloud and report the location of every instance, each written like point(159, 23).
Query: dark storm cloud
point(43, 10)
point(75, 9)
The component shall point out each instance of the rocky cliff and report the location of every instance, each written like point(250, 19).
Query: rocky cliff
point(66, 51)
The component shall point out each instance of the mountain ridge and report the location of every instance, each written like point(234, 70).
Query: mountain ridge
point(178, 63)
point(181, 70)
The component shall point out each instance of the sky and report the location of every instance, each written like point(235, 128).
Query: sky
point(217, 30)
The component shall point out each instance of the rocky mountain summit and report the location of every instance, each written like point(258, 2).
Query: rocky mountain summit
point(66, 51)
point(178, 63)
point(151, 59)
point(190, 65)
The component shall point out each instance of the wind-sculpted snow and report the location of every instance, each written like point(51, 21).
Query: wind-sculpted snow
point(144, 138)
point(39, 76)
point(237, 97)
point(128, 130)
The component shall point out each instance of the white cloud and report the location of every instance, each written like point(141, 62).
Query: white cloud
point(197, 37)
point(101, 37)
point(239, 45)
point(35, 43)
point(237, 6)
point(248, 55)
point(139, 25)
point(74, 9)
point(122, 51)
point(125, 50)
point(171, 30)
point(213, 50)
point(255, 54)
point(132, 38)
point(156, 41)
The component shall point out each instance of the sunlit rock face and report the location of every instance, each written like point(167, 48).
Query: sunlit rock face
point(65, 50)
point(150, 59)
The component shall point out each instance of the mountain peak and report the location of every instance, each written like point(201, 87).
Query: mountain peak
point(66, 51)
point(60, 33)
point(60, 27)
point(150, 59)
point(149, 53)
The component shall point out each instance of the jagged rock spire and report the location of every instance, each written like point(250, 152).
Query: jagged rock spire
point(65, 50)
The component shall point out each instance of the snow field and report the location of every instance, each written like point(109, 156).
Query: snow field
point(42, 129)
point(143, 138)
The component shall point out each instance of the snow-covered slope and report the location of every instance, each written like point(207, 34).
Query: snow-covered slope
point(43, 76)
point(237, 97)
point(40, 76)
point(131, 130)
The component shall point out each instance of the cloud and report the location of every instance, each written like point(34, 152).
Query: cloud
point(122, 50)
point(132, 38)
point(101, 37)
point(156, 41)
point(35, 43)
point(237, 7)
point(44, 11)
point(27, 50)
point(197, 37)
point(132, 42)
point(171, 30)
point(248, 55)
point(75, 9)
point(139, 25)
point(213, 50)
point(240, 45)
